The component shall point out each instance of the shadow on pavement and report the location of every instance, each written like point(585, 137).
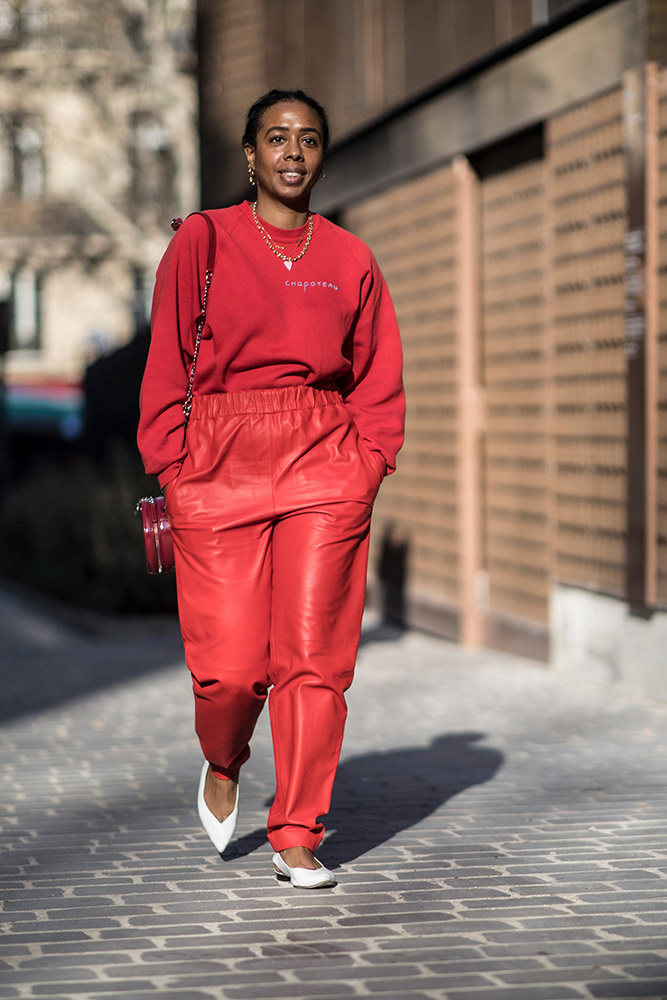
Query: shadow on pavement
point(47, 661)
point(377, 795)
point(384, 630)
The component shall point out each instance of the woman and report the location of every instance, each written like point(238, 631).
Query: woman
point(297, 416)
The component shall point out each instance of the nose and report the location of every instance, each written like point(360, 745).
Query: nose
point(293, 150)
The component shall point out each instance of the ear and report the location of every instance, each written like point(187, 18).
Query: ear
point(249, 154)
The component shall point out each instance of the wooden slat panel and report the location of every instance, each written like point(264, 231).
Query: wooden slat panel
point(588, 183)
point(514, 210)
point(413, 231)
point(661, 472)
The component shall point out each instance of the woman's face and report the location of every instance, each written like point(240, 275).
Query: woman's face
point(289, 154)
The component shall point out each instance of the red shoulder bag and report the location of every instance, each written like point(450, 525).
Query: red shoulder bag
point(155, 525)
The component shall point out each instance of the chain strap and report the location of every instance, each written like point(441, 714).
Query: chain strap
point(187, 405)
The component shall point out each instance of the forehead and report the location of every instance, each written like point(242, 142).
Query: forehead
point(292, 113)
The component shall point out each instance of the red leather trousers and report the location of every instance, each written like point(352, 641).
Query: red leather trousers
point(270, 517)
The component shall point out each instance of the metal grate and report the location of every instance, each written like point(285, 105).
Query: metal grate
point(414, 233)
point(514, 374)
point(588, 223)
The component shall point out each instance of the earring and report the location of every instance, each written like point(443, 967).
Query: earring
point(322, 176)
point(251, 174)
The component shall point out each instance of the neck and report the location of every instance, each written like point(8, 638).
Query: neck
point(276, 213)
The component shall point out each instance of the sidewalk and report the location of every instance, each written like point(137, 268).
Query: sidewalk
point(499, 834)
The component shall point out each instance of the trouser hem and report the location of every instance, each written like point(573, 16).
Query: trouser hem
point(295, 837)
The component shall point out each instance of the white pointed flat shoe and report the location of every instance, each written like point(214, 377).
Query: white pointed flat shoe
point(220, 833)
point(303, 878)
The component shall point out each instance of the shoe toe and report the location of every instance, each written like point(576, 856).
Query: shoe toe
point(219, 833)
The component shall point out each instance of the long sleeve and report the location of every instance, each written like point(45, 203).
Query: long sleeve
point(176, 307)
point(373, 390)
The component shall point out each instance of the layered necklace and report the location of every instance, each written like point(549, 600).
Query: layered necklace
point(287, 261)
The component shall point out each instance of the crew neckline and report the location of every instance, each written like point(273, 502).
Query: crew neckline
point(289, 235)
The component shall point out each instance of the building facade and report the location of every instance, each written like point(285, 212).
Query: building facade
point(98, 151)
point(513, 191)
point(360, 58)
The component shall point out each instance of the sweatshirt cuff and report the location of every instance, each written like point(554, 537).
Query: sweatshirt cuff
point(171, 472)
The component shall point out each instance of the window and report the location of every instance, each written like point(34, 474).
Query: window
point(20, 20)
point(21, 157)
point(6, 158)
point(25, 311)
point(153, 167)
point(143, 294)
point(28, 163)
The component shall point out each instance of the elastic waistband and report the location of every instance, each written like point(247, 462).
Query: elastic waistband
point(289, 397)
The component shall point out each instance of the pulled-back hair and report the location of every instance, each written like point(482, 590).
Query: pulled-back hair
point(266, 101)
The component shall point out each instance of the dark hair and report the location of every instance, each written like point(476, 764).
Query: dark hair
point(266, 101)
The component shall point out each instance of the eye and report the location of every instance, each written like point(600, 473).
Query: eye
point(277, 137)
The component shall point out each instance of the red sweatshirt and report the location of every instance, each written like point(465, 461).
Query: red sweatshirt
point(329, 318)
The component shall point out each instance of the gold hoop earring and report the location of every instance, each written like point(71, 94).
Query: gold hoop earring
point(251, 174)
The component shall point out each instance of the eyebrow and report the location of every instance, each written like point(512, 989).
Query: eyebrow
point(284, 128)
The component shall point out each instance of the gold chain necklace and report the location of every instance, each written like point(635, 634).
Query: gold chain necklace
point(287, 261)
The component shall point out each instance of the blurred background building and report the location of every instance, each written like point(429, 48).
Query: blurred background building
point(507, 162)
point(98, 151)
point(504, 159)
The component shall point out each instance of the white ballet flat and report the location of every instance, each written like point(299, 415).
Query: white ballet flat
point(220, 833)
point(303, 878)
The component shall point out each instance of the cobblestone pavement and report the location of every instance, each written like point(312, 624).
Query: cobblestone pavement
point(498, 833)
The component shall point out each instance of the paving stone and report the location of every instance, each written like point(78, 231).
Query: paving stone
point(490, 966)
point(373, 932)
point(171, 995)
point(425, 950)
point(211, 940)
point(266, 981)
point(639, 905)
point(91, 958)
point(153, 920)
point(644, 970)
point(600, 920)
point(555, 948)
point(657, 944)
point(590, 973)
point(443, 943)
point(270, 925)
point(638, 930)
point(515, 993)
point(503, 838)
point(392, 986)
point(290, 991)
point(193, 969)
point(74, 989)
point(292, 961)
point(120, 933)
point(44, 975)
point(30, 937)
point(416, 916)
point(221, 952)
point(25, 930)
point(656, 990)
point(93, 947)
point(551, 936)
